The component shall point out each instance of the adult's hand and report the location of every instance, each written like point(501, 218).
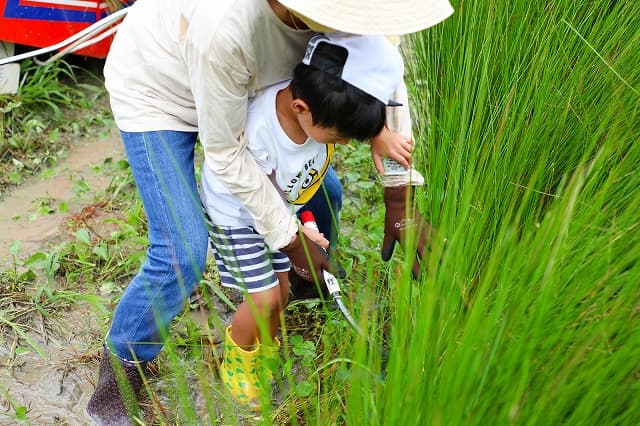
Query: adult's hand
point(401, 218)
point(307, 258)
point(393, 145)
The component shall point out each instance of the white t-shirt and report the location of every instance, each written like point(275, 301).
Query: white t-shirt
point(298, 168)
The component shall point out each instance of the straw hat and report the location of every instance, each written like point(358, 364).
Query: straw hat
point(387, 17)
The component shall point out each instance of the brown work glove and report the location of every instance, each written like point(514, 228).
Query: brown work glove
point(307, 258)
point(397, 224)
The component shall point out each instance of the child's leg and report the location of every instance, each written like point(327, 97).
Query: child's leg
point(269, 348)
point(244, 262)
point(283, 278)
point(244, 366)
point(258, 310)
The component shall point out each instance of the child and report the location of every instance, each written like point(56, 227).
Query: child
point(339, 92)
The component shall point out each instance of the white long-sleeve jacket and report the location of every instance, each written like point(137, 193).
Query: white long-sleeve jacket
point(192, 65)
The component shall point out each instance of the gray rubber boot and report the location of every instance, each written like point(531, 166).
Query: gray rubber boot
point(115, 398)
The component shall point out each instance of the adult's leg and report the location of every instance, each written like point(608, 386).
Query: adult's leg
point(326, 205)
point(162, 166)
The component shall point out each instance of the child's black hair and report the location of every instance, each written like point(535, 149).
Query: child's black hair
point(336, 103)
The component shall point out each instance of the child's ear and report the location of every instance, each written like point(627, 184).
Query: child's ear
point(299, 106)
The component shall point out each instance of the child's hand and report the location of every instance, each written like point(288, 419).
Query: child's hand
point(316, 237)
point(393, 145)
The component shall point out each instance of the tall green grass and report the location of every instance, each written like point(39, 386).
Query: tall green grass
point(527, 116)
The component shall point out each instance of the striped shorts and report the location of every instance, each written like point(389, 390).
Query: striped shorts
point(244, 260)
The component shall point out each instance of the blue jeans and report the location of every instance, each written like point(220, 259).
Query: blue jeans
point(162, 163)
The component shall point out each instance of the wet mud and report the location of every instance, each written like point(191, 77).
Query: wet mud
point(19, 216)
point(52, 387)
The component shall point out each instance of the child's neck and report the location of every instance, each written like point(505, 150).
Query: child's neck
point(287, 117)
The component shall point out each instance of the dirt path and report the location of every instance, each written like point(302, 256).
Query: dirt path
point(52, 387)
point(19, 218)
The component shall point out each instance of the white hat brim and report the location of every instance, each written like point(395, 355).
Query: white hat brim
point(386, 17)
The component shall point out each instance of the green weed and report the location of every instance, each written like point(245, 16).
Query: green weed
point(37, 122)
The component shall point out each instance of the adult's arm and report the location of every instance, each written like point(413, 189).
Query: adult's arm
point(401, 215)
point(219, 80)
point(395, 141)
point(399, 122)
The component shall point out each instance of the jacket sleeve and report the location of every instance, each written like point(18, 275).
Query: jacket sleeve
point(219, 79)
point(399, 121)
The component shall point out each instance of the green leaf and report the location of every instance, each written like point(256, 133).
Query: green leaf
point(83, 236)
point(38, 260)
point(296, 340)
point(367, 184)
point(343, 373)
point(28, 276)
point(304, 389)
point(21, 413)
point(306, 349)
point(108, 287)
point(10, 107)
point(14, 248)
point(122, 164)
point(80, 187)
point(21, 350)
point(101, 251)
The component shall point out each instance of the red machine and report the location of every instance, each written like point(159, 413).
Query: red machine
point(42, 23)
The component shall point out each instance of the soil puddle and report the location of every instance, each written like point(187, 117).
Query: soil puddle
point(19, 217)
point(54, 389)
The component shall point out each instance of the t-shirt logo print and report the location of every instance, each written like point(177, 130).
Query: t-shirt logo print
point(305, 179)
point(310, 179)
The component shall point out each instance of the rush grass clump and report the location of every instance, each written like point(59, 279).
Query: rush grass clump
point(527, 117)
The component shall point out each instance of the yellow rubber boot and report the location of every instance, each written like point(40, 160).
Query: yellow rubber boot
point(239, 374)
point(268, 360)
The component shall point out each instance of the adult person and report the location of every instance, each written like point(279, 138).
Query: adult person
point(179, 70)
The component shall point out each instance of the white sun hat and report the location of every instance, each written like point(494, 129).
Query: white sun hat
point(387, 17)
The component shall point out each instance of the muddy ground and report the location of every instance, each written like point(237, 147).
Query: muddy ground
point(53, 387)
